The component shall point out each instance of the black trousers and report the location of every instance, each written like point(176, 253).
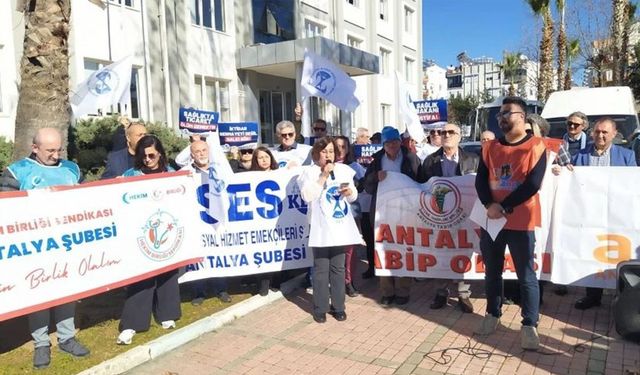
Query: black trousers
point(159, 295)
point(595, 293)
point(367, 234)
point(328, 279)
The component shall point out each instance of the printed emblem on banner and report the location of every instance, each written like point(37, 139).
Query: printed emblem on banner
point(129, 197)
point(323, 80)
point(441, 207)
point(104, 82)
point(296, 201)
point(333, 204)
point(161, 236)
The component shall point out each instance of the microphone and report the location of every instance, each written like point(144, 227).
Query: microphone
point(333, 176)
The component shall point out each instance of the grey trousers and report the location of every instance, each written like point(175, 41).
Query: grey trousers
point(464, 289)
point(65, 327)
point(328, 279)
point(395, 286)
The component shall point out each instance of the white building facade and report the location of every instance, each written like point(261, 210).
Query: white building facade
point(240, 58)
point(435, 82)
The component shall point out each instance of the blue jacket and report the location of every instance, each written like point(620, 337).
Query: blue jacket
point(117, 163)
point(620, 156)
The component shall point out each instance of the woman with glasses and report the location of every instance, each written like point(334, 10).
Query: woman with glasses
point(328, 189)
point(243, 164)
point(159, 294)
point(264, 161)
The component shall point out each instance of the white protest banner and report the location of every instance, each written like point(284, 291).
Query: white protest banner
point(596, 225)
point(423, 230)
point(62, 244)
point(265, 227)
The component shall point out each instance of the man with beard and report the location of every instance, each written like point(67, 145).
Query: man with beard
point(200, 165)
point(510, 174)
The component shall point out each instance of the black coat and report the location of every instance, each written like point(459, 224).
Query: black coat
point(432, 165)
point(117, 163)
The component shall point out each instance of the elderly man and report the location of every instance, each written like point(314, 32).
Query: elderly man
point(450, 160)
point(319, 128)
point(510, 174)
point(575, 139)
point(362, 136)
point(200, 166)
point(602, 153)
point(120, 160)
point(487, 136)
point(289, 153)
point(42, 169)
point(392, 158)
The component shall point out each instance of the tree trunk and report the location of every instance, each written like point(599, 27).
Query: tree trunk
point(562, 52)
point(44, 72)
point(545, 78)
point(618, 21)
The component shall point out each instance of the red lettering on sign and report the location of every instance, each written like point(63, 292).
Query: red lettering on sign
point(444, 239)
point(425, 261)
point(460, 264)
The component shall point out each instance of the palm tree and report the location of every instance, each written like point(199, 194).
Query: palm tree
point(618, 21)
point(545, 77)
point(510, 66)
point(44, 72)
point(562, 44)
point(573, 50)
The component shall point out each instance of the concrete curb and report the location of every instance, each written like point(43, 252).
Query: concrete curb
point(153, 349)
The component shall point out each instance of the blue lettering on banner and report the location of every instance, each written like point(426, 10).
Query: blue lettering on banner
point(243, 199)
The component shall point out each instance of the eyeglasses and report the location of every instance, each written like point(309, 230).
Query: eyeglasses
point(244, 152)
point(150, 156)
point(528, 131)
point(572, 124)
point(434, 132)
point(320, 129)
point(287, 135)
point(449, 132)
point(506, 114)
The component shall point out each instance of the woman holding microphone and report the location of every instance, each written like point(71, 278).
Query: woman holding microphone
point(328, 189)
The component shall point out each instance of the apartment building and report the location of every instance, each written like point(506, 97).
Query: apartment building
point(240, 58)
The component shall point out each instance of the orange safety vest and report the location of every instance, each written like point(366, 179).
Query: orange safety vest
point(508, 167)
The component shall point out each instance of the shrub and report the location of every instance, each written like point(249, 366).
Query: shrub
point(91, 140)
point(6, 153)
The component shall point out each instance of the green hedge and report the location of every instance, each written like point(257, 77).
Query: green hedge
point(6, 152)
point(90, 140)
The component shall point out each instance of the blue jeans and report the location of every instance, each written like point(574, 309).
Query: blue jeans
point(521, 245)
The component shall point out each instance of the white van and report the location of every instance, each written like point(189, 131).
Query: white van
point(616, 102)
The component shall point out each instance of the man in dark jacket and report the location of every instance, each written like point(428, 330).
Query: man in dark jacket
point(121, 160)
point(392, 158)
point(450, 160)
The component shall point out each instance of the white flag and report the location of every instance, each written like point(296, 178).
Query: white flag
point(105, 87)
point(408, 110)
point(322, 78)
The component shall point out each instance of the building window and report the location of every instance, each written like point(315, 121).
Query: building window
point(128, 3)
point(382, 9)
point(408, 20)
point(384, 61)
point(385, 114)
point(208, 13)
point(212, 95)
point(313, 29)
point(355, 3)
point(354, 42)
point(408, 69)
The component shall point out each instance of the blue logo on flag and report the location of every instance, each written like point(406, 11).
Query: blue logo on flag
point(103, 82)
point(323, 80)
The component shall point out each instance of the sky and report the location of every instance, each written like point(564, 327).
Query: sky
point(479, 27)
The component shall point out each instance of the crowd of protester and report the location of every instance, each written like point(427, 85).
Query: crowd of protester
point(329, 165)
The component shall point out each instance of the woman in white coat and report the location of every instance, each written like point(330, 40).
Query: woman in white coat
point(328, 189)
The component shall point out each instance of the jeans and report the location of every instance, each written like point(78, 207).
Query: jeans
point(521, 245)
point(328, 279)
point(65, 327)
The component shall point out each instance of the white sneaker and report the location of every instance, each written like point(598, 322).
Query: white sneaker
point(167, 324)
point(488, 325)
point(125, 337)
point(529, 338)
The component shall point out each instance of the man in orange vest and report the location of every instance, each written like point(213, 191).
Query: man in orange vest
point(509, 176)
